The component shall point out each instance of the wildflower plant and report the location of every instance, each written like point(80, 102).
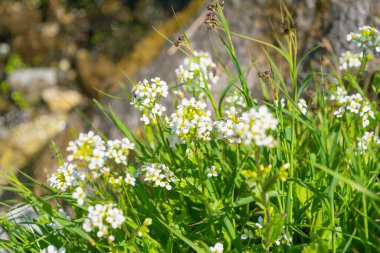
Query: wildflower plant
point(222, 172)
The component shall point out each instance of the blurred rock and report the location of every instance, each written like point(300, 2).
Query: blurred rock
point(95, 73)
point(62, 100)
point(31, 82)
point(25, 142)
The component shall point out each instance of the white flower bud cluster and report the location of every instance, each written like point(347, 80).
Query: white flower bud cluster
point(366, 140)
point(349, 61)
point(354, 104)
point(199, 69)
point(101, 218)
point(367, 38)
point(146, 98)
point(190, 121)
point(66, 177)
point(160, 174)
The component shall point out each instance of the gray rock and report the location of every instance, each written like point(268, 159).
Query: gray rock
point(62, 100)
point(25, 141)
point(31, 82)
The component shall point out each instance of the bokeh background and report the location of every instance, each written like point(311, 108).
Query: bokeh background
point(56, 56)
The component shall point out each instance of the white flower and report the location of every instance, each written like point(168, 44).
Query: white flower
point(302, 106)
point(53, 249)
point(212, 172)
point(129, 179)
point(218, 248)
point(80, 195)
point(281, 102)
point(247, 234)
point(259, 222)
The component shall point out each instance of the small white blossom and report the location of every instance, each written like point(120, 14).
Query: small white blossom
point(247, 233)
point(129, 180)
point(53, 249)
point(218, 248)
point(281, 102)
point(79, 195)
point(212, 172)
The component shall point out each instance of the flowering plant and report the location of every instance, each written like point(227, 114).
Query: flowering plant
point(222, 173)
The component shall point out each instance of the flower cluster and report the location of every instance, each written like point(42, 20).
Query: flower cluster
point(118, 150)
point(354, 104)
point(367, 38)
point(247, 234)
point(251, 126)
point(190, 121)
point(67, 176)
point(101, 218)
point(366, 140)
point(53, 249)
point(348, 61)
point(146, 97)
point(89, 149)
point(160, 174)
point(235, 103)
point(199, 69)
point(254, 126)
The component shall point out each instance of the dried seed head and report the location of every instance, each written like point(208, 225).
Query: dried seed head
point(180, 40)
point(221, 3)
point(286, 27)
point(211, 7)
point(266, 74)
